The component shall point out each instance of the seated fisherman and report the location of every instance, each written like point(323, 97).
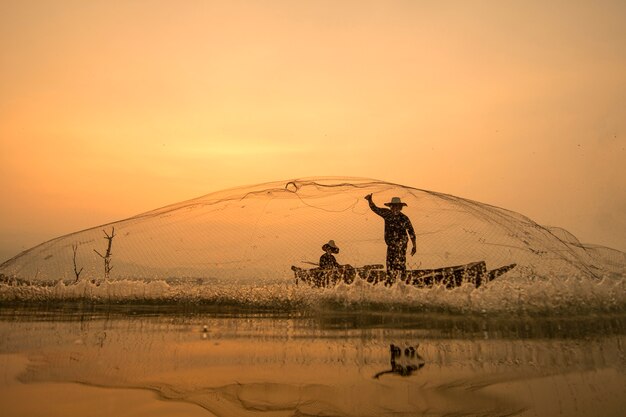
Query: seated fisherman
point(327, 260)
point(333, 271)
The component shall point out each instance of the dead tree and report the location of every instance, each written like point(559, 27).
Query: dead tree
point(107, 255)
point(76, 271)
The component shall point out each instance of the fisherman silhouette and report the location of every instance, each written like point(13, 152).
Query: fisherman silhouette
point(327, 260)
point(398, 229)
point(330, 271)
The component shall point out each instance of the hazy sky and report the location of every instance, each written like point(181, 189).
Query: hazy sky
point(112, 108)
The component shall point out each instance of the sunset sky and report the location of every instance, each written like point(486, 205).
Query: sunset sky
point(112, 108)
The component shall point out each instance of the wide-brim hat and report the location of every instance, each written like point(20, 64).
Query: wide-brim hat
point(331, 245)
point(395, 201)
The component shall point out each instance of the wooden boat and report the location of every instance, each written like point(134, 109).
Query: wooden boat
point(451, 277)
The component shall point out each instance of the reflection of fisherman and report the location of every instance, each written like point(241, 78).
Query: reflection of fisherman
point(413, 361)
point(327, 260)
point(397, 226)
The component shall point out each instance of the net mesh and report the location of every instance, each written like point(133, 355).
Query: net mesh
point(258, 232)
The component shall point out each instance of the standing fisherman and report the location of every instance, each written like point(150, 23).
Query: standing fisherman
point(397, 227)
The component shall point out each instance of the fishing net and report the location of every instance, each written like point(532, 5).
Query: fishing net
point(258, 232)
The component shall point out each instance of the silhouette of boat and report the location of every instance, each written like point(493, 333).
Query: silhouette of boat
point(451, 277)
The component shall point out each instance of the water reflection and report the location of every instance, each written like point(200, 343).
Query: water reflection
point(403, 365)
point(251, 363)
point(342, 323)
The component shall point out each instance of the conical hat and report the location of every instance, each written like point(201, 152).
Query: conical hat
point(331, 244)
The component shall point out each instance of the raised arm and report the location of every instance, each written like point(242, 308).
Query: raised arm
point(374, 207)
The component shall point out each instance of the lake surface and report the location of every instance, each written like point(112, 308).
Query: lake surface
point(139, 360)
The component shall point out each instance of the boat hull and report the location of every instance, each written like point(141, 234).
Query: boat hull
point(475, 273)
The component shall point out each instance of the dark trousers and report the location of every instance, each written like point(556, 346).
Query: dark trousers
point(396, 256)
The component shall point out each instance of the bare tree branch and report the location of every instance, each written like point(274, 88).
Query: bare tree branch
point(108, 254)
point(76, 271)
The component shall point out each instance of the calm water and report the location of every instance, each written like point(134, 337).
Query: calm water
point(85, 359)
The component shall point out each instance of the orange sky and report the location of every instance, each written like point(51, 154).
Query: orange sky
point(112, 108)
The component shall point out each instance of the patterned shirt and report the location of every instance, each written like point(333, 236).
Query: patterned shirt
point(328, 261)
point(396, 225)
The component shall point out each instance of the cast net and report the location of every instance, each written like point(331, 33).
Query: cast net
point(257, 233)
